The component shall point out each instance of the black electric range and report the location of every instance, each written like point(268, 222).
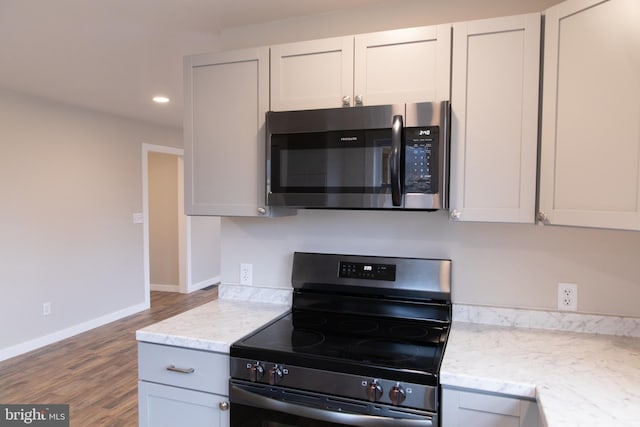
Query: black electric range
point(363, 342)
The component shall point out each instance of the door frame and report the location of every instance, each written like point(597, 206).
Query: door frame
point(184, 261)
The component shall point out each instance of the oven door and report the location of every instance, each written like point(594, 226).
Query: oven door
point(270, 406)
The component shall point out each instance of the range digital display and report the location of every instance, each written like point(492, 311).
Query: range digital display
point(359, 270)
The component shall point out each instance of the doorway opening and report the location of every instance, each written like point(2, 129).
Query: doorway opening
point(195, 262)
point(165, 224)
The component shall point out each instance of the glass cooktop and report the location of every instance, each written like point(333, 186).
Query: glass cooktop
point(349, 343)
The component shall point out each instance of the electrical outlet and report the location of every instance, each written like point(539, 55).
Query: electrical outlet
point(246, 274)
point(46, 308)
point(567, 296)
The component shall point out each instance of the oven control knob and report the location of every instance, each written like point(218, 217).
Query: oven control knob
point(256, 371)
point(374, 391)
point(397, 394)
point(275, 375)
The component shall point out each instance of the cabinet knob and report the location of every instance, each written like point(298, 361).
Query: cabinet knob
point(455, 214)
point(542, 217)
point(346, 101)
point(224, 406)
point(359, 100)
point(262, 211)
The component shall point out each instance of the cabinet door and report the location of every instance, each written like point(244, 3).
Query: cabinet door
point(408, 65)
point(312, 74)
point(590, 146)
point(494, 123)
point(166, 406)
point(470, 408)
point(226, 99)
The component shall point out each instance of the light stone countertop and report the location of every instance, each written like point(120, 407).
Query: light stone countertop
point(213, 326)
point(577, 379)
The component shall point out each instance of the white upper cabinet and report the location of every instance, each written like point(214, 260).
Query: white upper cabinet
point(590, 146)
point(494, 123)
point(406, 65)
point(311, 74)
point(226, 99)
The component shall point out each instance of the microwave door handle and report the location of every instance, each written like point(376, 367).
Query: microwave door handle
point(396, 160)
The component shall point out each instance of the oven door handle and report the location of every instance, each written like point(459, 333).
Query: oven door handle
point(245, 397)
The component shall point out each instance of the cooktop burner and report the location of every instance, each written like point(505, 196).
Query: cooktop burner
point(301, 338)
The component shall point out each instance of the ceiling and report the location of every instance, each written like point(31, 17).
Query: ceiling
point(115, 55)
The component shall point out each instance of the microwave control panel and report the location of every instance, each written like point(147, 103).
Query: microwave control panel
point(421, 160)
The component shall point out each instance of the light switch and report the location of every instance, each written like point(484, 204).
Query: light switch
point(138, 218)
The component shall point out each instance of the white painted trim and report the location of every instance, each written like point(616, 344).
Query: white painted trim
point(165, 288)
point(203, 284)
point(184, 233)
point(146, 149)
point(34, 344)
point(187, 253)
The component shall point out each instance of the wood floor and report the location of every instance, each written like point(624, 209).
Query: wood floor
point(95, 372)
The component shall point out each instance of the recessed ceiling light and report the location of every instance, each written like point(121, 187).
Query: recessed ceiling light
point(160, 99)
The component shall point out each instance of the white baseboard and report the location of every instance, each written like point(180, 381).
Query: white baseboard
point(36, 343)
point(165, 288)
point(203, 284)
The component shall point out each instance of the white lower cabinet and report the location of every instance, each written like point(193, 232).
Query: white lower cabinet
point(182, 387)
point(462, 408)
point(166, 406)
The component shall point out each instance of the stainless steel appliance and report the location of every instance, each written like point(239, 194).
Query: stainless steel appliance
point(374, 157)
point(361, 346)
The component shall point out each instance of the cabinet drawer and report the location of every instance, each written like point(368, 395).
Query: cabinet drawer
point(201, 370)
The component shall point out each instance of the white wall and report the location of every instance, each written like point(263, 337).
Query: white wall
point(508, 265)
point(386, 15)
point(204, 252)
point(493, 264)
point(71, 180)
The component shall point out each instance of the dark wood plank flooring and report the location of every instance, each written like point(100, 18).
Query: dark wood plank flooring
point(95, 372)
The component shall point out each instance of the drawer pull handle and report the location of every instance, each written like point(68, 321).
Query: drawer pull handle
point(173, 368)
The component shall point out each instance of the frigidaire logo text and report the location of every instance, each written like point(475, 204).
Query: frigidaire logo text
point(348, 138)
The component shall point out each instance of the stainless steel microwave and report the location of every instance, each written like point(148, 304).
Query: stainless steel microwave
point(373, 157)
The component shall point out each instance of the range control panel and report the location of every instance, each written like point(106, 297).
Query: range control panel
point(360, 270)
